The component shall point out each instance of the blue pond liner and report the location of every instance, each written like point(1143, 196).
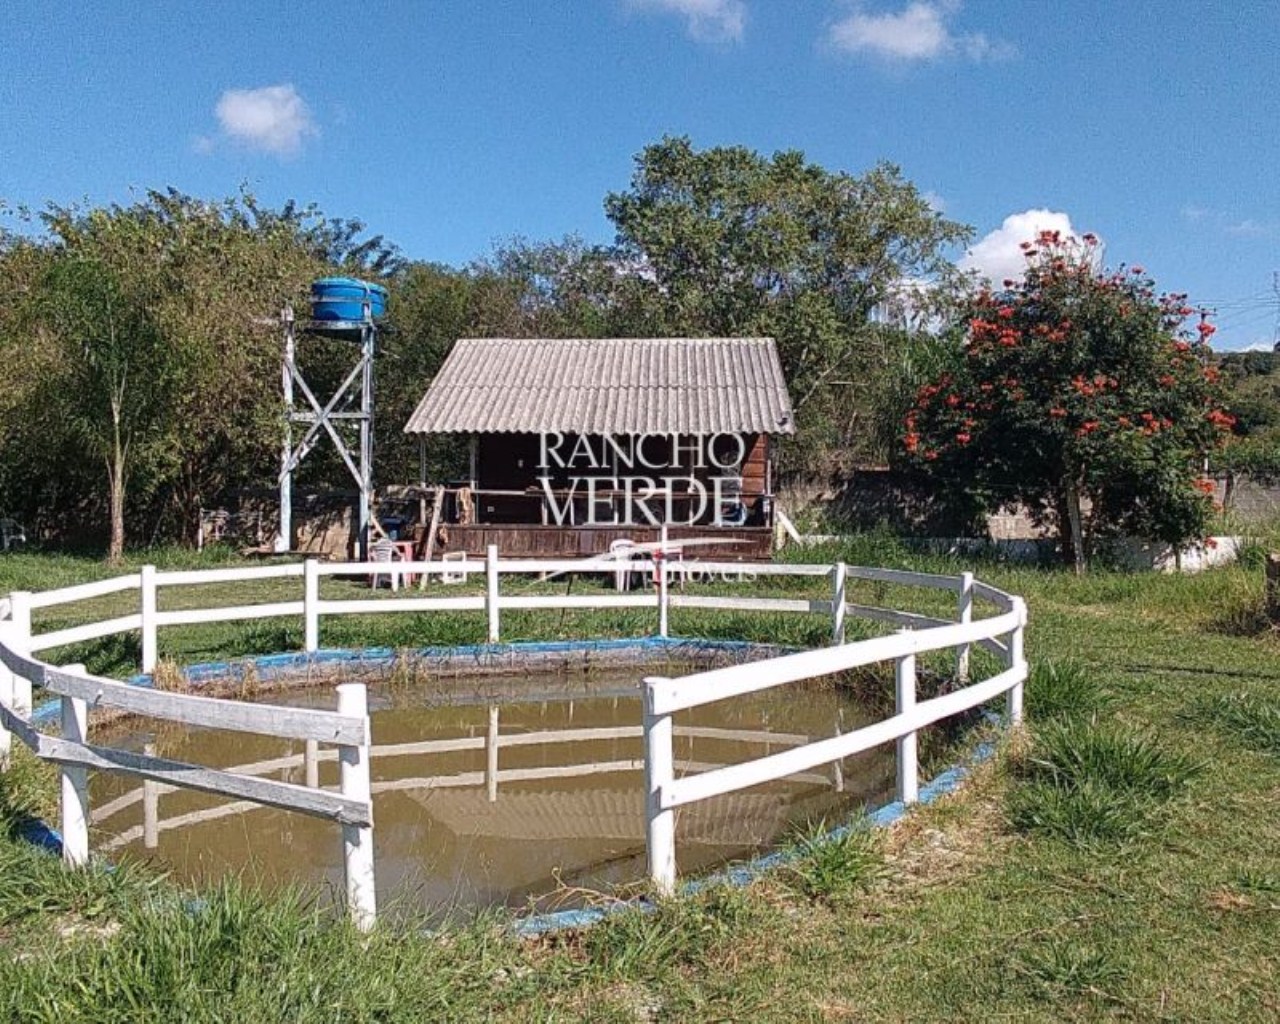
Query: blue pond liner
point(269, 666)
point(743, 874)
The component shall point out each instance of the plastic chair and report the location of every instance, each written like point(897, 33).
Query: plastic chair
point(384, 550)
point(12, 534)
point(620, 552)
point(453, 575)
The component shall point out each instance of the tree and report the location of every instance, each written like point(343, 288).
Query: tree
point(114, 375)
point(726, 241)
point(1252, 381)
point(204, 279)
point(1080, 394)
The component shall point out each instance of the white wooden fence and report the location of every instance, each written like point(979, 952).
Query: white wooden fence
point(348, 729)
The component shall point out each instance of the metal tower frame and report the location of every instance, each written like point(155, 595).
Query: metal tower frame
point(327, 418)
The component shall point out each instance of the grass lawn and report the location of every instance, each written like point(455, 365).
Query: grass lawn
point(1119, 861)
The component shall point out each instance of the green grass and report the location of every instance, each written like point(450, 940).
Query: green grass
point(1252, 719)
point(832, 869)
point(1141, 883)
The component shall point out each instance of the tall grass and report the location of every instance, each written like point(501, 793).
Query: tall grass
point(832, 867)
point(1086, 782)
point(1249, 717)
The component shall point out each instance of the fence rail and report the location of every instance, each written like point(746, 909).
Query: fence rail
point(347, 729)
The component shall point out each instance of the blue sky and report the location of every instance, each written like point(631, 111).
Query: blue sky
point(448, 125)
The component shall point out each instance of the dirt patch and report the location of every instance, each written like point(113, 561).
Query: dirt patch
point(949, 840)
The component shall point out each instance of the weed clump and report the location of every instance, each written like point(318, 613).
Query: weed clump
point(831, 867)
point(1087, 783)
point(168, 676)
point(1247, 717)
point(1058, 690)
point(1067, 968)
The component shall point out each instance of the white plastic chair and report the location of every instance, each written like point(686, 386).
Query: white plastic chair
point(384, 550)
point(453, 575)
point(620, 551)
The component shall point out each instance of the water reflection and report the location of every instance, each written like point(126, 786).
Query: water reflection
point(495, 791)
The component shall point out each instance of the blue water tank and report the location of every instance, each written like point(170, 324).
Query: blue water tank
point(343, 298)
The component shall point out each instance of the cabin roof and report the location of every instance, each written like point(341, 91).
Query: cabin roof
point(607, 386)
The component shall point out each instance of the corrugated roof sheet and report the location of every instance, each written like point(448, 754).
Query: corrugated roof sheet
point(607, 386)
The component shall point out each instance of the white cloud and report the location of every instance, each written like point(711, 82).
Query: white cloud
point(274, 119)
point(1251, 228)
point(714, 21)
point(999, 255)
point(919, 32)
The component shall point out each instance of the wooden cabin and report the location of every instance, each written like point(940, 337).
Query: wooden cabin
point(576, 443)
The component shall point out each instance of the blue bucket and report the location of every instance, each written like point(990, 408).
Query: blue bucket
point(343, 298)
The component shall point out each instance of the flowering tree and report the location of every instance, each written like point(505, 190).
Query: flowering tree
point(1082, 395)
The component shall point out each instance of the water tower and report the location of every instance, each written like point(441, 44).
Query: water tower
point(347, 309)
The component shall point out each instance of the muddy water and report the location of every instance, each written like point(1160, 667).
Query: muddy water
point(564, 812)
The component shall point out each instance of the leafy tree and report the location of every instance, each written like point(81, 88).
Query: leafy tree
point(201, 282)
point(115, 378)
point(725, 241)
point(1252, 381)
point(1080, 394)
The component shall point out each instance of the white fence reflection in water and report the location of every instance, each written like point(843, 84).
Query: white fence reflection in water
point(348, 729)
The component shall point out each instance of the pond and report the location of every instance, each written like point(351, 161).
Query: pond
point(562, 815)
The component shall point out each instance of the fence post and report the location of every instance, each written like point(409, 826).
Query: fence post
point(6, 699)
point(311, 764)
point(311, 605)
point(664, 593)
point(839, 576)
point(964, 615)
point(491, 590)
point(908, 750)
point(357, 840)
point(75, 786)
point(659, 772)
point(491, 756)
point(1016, 658)
point(20, 642)
point(147, 610)
point(150, 806)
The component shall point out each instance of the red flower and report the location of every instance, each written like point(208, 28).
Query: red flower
point(1057, 412)
point(1005, 311)
point(1205, 328)
point(1138, 270)
point(963, 437)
